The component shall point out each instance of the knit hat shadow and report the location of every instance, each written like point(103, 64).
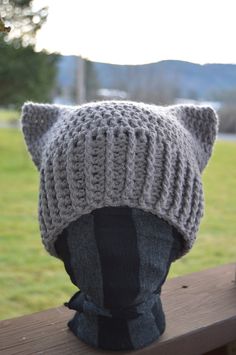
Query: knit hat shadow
point(116, 153)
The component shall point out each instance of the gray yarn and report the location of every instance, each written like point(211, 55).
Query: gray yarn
point(116, 153)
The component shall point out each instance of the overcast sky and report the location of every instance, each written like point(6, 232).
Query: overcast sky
point(141, 31)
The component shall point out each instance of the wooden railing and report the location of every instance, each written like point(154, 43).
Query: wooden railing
point(200, 313)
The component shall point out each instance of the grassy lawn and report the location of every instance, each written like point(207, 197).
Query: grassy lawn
point(31, 280)
point(9, 115)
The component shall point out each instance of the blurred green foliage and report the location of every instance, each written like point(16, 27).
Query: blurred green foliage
point(23, 19)
point(24, 73)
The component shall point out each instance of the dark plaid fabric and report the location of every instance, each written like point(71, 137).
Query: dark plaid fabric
point(119, 258)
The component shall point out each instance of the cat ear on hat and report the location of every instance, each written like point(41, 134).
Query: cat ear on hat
point(202, 122)
point(36, 121)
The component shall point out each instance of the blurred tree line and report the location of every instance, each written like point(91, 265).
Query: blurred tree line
point(24, 73)
point(29, 75)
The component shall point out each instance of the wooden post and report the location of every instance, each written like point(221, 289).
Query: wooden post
point(81, 90)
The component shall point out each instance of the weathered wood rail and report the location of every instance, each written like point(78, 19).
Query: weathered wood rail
point(200, 313)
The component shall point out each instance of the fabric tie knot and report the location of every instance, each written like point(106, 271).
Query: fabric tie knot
point(82, 303)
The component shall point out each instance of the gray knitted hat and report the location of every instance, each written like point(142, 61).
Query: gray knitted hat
point(119, 153)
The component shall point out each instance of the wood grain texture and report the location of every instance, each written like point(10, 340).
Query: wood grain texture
point(200, 312)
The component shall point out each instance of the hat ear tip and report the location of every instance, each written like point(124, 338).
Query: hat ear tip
point(202, 122)
point(210, 112)
point(25, 110)
point(211, 118)
point(36, 120)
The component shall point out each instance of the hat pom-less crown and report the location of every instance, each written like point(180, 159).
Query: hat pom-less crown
point(201, 122)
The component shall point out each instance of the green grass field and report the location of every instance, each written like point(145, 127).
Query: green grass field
point(31, 280)
point(9, 115)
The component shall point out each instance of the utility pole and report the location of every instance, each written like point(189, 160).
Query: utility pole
point(81, 90)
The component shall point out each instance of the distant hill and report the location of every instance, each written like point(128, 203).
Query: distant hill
point(189, 79)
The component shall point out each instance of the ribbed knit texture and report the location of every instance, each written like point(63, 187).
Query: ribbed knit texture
point(117, 153)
